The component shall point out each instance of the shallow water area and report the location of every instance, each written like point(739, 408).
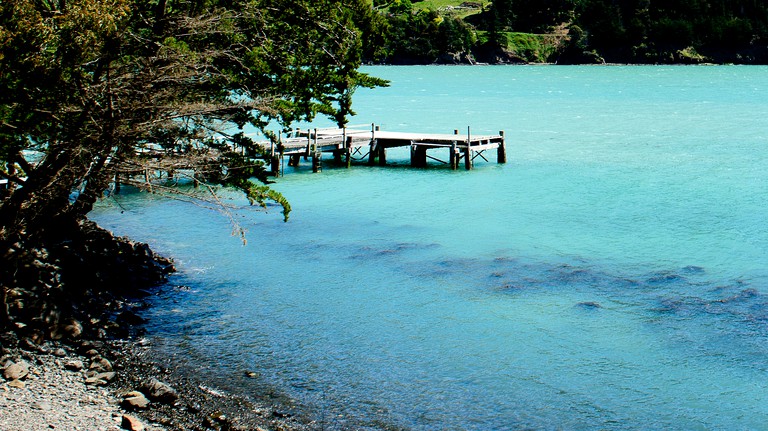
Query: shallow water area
point(611, 275)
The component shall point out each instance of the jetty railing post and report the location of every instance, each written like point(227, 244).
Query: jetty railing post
point(468, 153)
point(501, 152)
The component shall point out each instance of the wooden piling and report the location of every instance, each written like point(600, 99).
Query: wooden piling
point(382, 150)
point(274, 165)
point(418, 156)
point(274, 158)
point(501, 152)
point(348, 151)
point(468, 152)
point(294, 160)
point(454, 156)
point(316, 161)
point(373, 147)
point(372, 153)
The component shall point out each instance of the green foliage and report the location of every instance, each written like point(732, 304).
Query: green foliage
point(424, 37)
point(534, 48)
point(401, 7)
point(97, 86)
point(617, 30)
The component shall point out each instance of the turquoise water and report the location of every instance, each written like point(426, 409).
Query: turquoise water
point(612, 275)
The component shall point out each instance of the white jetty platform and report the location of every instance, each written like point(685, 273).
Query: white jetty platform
point(348, 144)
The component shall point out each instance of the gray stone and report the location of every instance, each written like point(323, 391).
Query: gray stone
point(107, 376)
point(135, 400)
point(74, 365)
point(93, 381)
point(16, 371)
point(40, 405)
point(101, 365)
point(73, 329)
point(161, 392)
point(16, 384)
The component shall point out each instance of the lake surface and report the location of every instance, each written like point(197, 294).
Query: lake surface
point(612, 275)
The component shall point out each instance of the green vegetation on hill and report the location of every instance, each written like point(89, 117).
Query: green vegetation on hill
point(570, 31)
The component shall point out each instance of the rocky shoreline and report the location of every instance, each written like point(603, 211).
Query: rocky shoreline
point(98, 385)
point(72, 356)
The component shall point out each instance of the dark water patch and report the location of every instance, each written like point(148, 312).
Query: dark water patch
point(589, 305)
point(661, 278)
point(698, 314)
point(568, 276)
point(390, 249)
point(693, 269)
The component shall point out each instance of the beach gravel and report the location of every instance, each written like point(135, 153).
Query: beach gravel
point(53, 397)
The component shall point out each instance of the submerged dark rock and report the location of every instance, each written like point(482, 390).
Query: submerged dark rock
point(589, 305)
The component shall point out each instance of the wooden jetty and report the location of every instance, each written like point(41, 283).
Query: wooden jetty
point(348, 144)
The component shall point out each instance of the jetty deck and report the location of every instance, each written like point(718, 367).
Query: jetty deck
point(371, 145)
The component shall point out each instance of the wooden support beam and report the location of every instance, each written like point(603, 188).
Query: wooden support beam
point(454, 156)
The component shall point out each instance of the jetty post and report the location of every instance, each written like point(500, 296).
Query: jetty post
point(316, 155)
point(274, 159)
point(418, 155)
point(501, 151)
point(468, 152)
point(348, 152)
point(372, 149)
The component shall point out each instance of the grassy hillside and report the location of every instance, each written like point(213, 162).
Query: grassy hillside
point(461, 8)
